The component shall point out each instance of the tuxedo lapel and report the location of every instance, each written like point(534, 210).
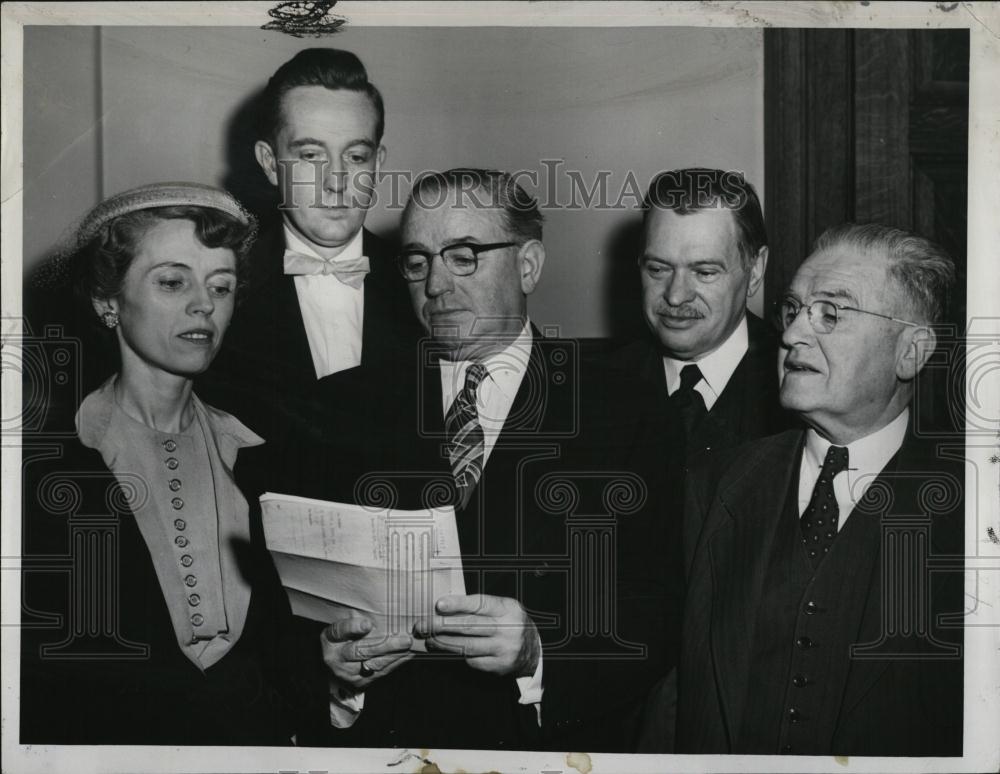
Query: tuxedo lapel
point(376, 332)
point(748, 515)
point(282, 330)
point(292, 343)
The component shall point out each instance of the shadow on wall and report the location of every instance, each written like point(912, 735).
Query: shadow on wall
point(623, 290)
point(244, 178)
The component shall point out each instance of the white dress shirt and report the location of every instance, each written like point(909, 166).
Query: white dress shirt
point(504, 372)
point(494, 400)
point(717, 367)
point(865, 459)
point(332, 310)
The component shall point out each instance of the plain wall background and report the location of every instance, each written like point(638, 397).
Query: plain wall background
point(110, 108)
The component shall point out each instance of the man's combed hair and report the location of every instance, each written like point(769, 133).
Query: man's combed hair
point(687, 191)
point(483, 189)
point(327, 67)
point(921, 269)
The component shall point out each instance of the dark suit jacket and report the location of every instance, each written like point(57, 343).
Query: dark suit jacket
point(517, 536)
point(880, 705)
point(99, 659)
point(748, 408)
point(265, 368)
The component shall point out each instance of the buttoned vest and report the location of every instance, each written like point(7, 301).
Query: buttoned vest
point(800, 645)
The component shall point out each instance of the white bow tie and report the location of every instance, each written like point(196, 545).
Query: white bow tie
point(351, 271)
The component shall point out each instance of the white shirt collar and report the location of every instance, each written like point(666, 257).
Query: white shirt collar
point(717, 367)
point(505, 369)
point(495, 398)
point(353, 249)
point(865, 456)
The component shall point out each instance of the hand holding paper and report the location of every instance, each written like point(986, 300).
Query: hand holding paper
point(350, 641)
point(493, 634)
point(370, 573)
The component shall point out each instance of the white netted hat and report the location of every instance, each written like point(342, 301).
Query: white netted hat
point(56, 269)
point(146, 197)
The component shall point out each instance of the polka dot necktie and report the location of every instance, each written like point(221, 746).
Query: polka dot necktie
point(819, 520)
point(466, 443)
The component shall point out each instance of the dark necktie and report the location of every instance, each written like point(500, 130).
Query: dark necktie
point(466, 444)
point(688, 402)
point(819, 519)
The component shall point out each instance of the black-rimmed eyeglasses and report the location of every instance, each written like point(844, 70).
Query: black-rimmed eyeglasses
point(462, 259)
point(823, 315)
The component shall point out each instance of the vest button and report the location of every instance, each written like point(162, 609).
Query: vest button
point(811, 608)
point(794, 715)
point(804, 643)
point(799, 681)
point(786, 749)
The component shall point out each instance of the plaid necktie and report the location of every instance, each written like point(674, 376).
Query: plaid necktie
point(466, 444)
point(819, 519)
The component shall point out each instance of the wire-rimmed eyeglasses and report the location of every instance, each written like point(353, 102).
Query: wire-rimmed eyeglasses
point(462, 259)
point(823, 315)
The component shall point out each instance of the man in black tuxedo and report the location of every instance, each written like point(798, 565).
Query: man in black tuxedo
point(812, 624)
point(491, 422)
point(323, 293)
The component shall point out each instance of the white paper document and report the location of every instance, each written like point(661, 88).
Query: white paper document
point(335, 558)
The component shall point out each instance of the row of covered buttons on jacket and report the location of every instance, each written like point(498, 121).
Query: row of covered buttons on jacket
point(181, 540)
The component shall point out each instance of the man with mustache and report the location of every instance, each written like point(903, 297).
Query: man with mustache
point(323, 296)
point(711, 362)
point(813, 624)
point(704, 381)
point(490, 422)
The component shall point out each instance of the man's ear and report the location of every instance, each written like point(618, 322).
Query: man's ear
point(380, 155)
point(915, 348)
point(531, 258)
point(757, 269)
point(265, 158)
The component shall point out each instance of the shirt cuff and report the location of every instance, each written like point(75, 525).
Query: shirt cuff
point(345, 704)
point(531, 689)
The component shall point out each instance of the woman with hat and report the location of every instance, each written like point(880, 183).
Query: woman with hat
point(164, 623)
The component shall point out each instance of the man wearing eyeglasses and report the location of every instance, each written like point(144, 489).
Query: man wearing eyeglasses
point(489, 421)
point(812, 624)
